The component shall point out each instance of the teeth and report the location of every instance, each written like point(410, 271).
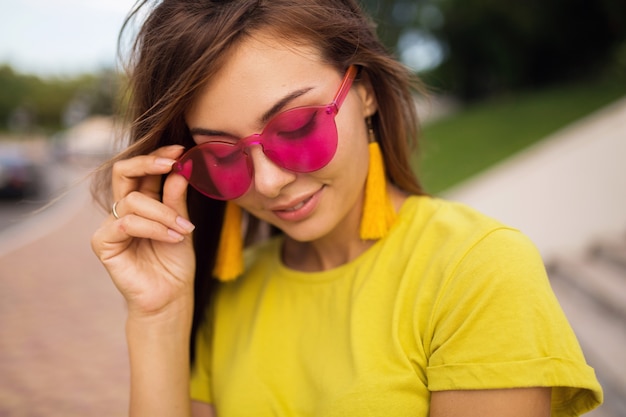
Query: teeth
point(296, 207)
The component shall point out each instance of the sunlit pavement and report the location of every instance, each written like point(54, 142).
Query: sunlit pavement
point(62, 347)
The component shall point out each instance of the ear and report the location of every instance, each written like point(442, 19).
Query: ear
point(366, 93)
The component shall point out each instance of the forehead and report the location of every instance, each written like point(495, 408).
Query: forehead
point(259, 71)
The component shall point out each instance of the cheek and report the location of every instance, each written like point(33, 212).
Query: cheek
point(351, 159)
point(352, 150)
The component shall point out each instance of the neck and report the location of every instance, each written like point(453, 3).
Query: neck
point(322, 254)
point(338, 248)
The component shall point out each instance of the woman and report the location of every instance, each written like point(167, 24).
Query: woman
point(359, 294)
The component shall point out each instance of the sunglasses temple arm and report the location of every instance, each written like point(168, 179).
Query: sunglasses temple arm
point(344, 88)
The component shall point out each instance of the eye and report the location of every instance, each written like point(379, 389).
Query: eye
point(221, 153)
point(295, 124)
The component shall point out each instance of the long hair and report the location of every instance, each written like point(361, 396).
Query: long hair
point(183, 43)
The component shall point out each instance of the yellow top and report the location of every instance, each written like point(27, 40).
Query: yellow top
point(449, 299)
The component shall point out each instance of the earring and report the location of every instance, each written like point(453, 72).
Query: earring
point(378, 211)
point(229, 258)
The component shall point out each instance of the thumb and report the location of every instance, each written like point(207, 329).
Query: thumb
point(175, 194)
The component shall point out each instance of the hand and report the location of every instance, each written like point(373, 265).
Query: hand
point(148, 251)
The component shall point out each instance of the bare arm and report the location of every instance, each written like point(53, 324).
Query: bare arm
point(518, 402)
point(159, 364)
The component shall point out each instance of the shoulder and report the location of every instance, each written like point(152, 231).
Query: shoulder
point(448, 218)
point(452, 231)
point(456, 256)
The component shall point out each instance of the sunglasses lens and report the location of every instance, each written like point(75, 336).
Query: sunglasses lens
point(218, 170)
point(302, 140)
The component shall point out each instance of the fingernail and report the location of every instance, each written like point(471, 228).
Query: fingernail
point(185, 224)
point(164, 161)
point(175, 235)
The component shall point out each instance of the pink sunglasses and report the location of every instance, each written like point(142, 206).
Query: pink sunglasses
point(303, 139)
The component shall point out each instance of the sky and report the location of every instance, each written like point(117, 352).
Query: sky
point(60, 37)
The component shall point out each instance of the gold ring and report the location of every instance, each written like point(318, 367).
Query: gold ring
point(114, 211)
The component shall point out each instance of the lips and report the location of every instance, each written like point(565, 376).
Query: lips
point(297, 206)
point(298, 210)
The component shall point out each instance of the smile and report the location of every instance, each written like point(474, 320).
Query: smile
point(301, 210)
point(298, 206)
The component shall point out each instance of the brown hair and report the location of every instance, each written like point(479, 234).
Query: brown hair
point(183, 43)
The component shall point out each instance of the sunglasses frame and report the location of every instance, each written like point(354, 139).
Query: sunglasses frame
point(332, 109)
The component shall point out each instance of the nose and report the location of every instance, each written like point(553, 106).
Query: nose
point(269, 178)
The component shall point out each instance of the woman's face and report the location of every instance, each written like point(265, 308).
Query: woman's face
point(264, 76)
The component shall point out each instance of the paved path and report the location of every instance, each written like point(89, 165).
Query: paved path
point(62, 347)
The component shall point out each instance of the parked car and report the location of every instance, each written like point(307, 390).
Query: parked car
point(19, 176)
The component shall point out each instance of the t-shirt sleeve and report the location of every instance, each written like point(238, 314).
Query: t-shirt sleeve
point(496, 323)
point(200, 383)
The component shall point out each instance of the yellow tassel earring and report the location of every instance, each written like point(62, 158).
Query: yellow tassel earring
point(378, 211)
point(229, 259)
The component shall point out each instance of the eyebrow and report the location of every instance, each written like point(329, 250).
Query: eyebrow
point(275, 109)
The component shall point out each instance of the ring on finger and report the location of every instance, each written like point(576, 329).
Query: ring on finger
point(114, 210)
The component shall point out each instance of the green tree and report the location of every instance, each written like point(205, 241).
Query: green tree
point(494, 46)
point(28, 102)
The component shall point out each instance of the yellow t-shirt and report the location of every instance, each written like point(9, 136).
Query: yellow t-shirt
point(449, 299)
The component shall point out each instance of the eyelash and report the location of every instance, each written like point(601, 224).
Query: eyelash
point(300, 131)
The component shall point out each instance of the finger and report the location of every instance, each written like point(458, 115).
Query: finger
point(114, 238)
point(143, 206)
point(171, 151)
point(143, 172)
point(175, 194)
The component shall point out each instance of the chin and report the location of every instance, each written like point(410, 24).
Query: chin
point(302, 236)
point(305, 233)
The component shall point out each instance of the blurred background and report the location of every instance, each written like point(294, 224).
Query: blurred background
point(526, 120)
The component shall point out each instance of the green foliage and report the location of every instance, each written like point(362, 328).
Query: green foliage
point(483, 134)
point(496, 46)
point(30, 103)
